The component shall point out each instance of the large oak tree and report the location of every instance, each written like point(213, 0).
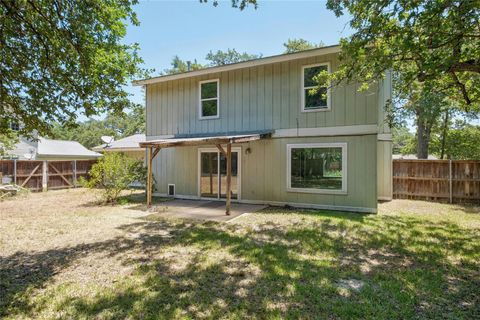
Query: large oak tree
point(63, 58)
point(432, 42)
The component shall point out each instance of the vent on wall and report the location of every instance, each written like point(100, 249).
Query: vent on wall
point(171, 190)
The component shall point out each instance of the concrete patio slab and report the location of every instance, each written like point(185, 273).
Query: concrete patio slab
point(204, 209)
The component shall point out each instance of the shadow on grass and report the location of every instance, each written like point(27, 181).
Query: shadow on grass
point(210, 270)
point(134, 198)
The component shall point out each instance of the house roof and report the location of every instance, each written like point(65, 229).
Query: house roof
point(240, 65)
point(127, 143)
point(42, 148)
point(63, 148)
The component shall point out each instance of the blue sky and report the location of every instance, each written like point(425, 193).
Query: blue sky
point(191, 29)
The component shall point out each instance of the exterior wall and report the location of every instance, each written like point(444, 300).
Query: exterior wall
point(384, 170)
point(384, 144)
point(263, 173)
point(256, 98)
point(268, 97)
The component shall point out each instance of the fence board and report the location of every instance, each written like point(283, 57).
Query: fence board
point(437, 180)
point(59, 174)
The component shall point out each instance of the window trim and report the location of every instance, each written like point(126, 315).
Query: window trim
point(302, 89)
point(200, 100)
point(342, 145)
point(199, 172)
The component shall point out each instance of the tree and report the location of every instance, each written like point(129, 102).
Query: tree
point(427, 110)
point(89, 132)
point(220, 57)
point(60, 59)
point(295, 45)
point(433, 42)
point(179, 66)
point(402, 138)
point(113, 173)
point(8, 139)
point(461, 142)
point(241, 4)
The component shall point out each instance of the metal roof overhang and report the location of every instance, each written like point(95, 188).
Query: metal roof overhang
point(209, 140)
point(154, 146)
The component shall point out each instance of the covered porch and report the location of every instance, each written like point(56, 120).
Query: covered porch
point(222, 142)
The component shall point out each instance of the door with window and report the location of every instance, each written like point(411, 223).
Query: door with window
point(213, 174)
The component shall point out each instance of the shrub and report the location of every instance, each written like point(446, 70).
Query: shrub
point(113, 173)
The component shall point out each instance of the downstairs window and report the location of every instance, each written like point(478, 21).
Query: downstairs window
point(317, 167)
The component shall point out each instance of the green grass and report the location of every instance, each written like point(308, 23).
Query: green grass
point(278, 263)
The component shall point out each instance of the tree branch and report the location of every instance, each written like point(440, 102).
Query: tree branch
point(462, 88)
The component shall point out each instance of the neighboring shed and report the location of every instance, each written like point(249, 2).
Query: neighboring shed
point(128, 145)
point(49, 149)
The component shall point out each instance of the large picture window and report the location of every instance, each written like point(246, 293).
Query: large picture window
point(317, 167)
point(209, 99)
point(313, 97)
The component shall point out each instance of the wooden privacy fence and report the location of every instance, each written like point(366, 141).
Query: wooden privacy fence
point(437, 180)
point(42, 175)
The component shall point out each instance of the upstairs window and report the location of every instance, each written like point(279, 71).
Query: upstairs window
point(209, 99)
point(15, 126)
point(314, 98)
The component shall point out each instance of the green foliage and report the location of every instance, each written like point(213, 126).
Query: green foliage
point(461, 142)
point(295, 45)
point(241, 4)
point(8, 139)
point(114, 172)
point(433, 42)
point(422, 104)
point(402, 139)
point(220, 57)
point(217, 58)
point(60, 59)
point(89, 133)
point(179, 66)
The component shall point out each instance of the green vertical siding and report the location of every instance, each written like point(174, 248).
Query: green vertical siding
point(384, 175)
point(269, 97)
point(256, 98)
point(264, 169)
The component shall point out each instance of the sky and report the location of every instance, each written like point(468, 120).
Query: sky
point(191, 29)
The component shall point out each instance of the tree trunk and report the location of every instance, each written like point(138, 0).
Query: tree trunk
point(423, 138)
point(444, 133)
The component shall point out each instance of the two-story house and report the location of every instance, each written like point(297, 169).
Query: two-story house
point(284, 143)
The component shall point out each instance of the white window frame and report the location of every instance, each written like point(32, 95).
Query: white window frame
point(200, 100)
point(342, 145)
point(302, 88)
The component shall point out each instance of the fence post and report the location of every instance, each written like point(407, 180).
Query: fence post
point(450, 179)
point(74, 173)
point(44, 176)
point(14, 171)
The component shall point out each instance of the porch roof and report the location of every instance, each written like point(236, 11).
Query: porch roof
point(206, 140)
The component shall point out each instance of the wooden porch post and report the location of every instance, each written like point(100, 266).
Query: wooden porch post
point(149, 176)
point(229, 178)
point(150, 155)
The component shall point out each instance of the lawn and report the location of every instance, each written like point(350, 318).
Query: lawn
point(62, 256)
